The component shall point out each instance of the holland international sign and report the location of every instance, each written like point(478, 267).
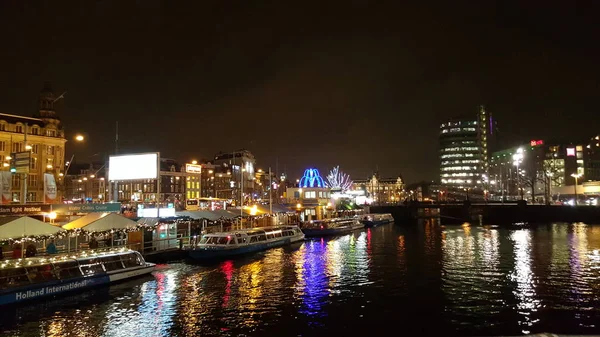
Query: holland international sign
point(86, 208)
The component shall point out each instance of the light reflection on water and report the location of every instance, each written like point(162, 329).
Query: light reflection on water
point(465, 279)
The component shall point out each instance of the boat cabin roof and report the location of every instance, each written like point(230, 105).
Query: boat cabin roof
point(59, 258)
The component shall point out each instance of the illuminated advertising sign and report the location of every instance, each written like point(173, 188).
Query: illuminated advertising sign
point(570, 152)
point(133, 167)
point(536, 142)
point(192, 168)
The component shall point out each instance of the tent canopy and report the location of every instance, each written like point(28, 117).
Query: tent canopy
point(12, 227)
point(101, 222)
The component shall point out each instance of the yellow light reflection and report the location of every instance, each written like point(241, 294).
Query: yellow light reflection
point(525, 279)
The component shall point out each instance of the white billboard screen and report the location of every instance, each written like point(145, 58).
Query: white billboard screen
point(133, 167)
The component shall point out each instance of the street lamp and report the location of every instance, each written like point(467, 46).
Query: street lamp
point(194, 162)
point(79, 138)
point(517, 160)
point(576, 176)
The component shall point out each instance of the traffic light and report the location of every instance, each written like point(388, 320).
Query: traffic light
point(13, 161)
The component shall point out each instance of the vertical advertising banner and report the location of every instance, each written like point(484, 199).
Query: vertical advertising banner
point(49, 188)
point(5, 185)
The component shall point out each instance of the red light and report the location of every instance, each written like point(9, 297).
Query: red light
point(321, 226)
point(228, 237)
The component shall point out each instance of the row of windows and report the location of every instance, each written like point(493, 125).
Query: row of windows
point(191, 184)
point(455, 149)
point(312, 194)
point(457, 155)
point(35, 148)
point(458, 175)
point(459, 181)
point(192, 194)
point(458, 123)
point(459, 168)
point(465, 161)
point(20, 128)
point(453, 130)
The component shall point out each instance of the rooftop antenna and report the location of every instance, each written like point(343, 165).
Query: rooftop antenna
point(59, 97)
point(117, 138)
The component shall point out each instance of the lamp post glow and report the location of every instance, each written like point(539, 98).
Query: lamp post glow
point(79, 138)
point(576, 176)
point(517, 160)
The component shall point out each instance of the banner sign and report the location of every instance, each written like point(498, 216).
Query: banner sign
point(5, 186)
point(24, 209)
point(86, 208)
point(49, 188)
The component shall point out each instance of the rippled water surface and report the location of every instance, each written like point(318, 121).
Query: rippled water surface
point(390, 280)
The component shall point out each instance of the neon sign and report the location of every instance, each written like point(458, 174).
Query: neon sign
point(311, 178)
point(536, 142)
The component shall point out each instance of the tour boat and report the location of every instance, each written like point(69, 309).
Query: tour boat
point(238, 242)
point(329, 227)
point(374, 220)
point(36, 277)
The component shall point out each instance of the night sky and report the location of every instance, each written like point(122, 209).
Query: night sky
point(360, 84)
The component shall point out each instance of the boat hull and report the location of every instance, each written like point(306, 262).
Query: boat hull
point(215, 253)
point(47, 289)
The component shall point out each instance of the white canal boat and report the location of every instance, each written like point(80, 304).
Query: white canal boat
point(229, 244)
point(36, 277)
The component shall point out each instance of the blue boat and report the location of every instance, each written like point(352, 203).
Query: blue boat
point(230, 244)
point(329, 227)
point(38, 277)
point(374, 220)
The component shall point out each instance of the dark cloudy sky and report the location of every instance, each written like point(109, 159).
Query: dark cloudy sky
point(360, 84)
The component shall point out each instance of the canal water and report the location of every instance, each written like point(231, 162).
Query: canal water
point(460, 280)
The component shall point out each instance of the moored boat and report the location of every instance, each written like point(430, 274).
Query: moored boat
point(374, 220)
point(229, 244)
point(36, 277)
point(328, 227)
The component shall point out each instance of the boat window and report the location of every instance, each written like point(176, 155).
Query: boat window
point(222, 240)
point(204, 240)
point(14, 277)
point(242, 239)
point(262, 237)
point(41, 273)
point(67, 269)
point(232, 241)
point(277, 234)
point(91, 267)
point(112, 262)
point(269, 236)
point(132, 260)
point(253, 239)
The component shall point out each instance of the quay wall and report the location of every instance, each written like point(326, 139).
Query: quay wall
point(495, 214)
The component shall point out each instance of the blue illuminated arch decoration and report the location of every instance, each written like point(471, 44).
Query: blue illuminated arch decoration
point(312, 178)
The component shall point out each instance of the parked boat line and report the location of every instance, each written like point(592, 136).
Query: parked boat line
point(238, 242)
point(36, 277)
